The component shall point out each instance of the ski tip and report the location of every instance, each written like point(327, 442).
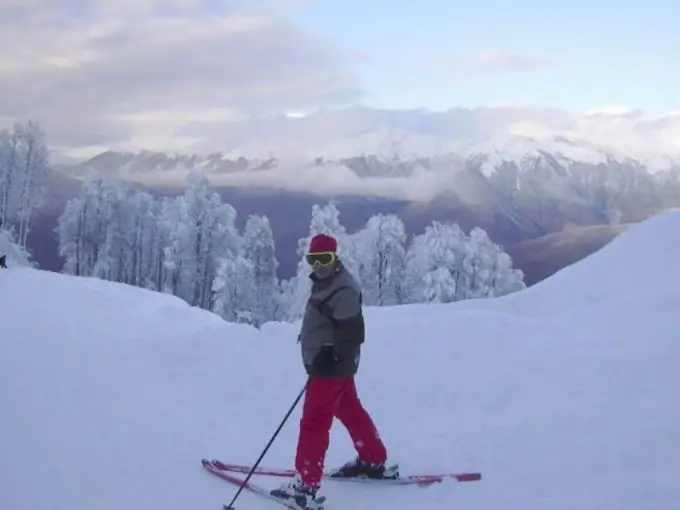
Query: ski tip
point(469, 477)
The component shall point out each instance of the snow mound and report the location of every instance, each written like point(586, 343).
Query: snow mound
point(632, 266)
point(564, 395)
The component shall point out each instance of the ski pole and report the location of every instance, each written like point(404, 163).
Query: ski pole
point(230, 506)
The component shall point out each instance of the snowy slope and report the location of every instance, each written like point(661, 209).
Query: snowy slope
point(564, 396)
point(632, 265)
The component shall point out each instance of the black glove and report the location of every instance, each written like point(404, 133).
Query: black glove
point(325, 360)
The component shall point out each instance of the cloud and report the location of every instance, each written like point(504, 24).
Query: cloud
point(448, 140)
point(96, 72)
point(497, 63)
point(349, 132)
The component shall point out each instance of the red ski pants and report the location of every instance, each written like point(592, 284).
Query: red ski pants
point(324, 400)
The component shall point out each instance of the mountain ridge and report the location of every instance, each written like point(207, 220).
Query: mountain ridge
point(538, 185)
point(487, 160)
point(402, 140)
point(520, 174)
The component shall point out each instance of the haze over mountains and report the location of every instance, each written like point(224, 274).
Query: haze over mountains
point(338, 150)
point(519, 173)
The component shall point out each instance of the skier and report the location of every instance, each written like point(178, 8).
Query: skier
point(3, 262)
point(331, 334)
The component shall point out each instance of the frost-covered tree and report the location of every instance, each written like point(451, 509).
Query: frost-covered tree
point(174, 245)
point(381, 249)
point(141, 250)
point(157, 238)
point(114, 217)
point(233, 289)
point(35, 164)
point(171, 228)
point(104, 232)
point(14, 254)
point(71, 234)
point(487, 269)
point(24, 161)
point(201, 232)
point(259, 250)
point(444, 265)
point(10, 174)
point(189, 246)
point(433, 260)
point(83, 229)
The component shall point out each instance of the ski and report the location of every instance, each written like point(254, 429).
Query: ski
point(256, 489)
point(421, 480)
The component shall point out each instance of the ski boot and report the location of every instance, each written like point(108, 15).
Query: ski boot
point(359, 469)
point(302, 495)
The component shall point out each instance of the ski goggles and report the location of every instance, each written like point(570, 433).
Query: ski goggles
point(320, 259)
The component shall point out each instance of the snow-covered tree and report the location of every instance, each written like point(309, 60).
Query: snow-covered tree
point(140, 242)
point(259, 250)
point(189, 246)
point(381, 249)
point(24, 160)
point(172, 227)
point(444, 265)
point(35, 163)
point(15, 255)
point(158, 239)
point(201, 232)
point(105, 231)
point(233, 289)
point(487, 269)
point(114, 216)
point(10, 174)
point(433, 261)
point(71, 235)
point(173, 245)
point(83, 229)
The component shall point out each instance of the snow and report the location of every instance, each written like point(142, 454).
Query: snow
point(563, 395)
point(632, 265)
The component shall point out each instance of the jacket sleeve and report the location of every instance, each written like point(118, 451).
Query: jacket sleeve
point(349, 320)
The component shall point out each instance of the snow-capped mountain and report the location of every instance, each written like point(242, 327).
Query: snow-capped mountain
point(354, 173)
point(417, 154)
point(527, 180)
point(406, 140)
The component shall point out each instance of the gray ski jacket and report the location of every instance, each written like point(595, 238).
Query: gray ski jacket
point(333, 317)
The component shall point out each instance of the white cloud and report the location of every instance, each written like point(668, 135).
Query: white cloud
point(97, 72)
point(207, 75)
point(353, 131)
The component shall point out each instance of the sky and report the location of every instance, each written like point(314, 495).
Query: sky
point(133, 74)
point(580, 54)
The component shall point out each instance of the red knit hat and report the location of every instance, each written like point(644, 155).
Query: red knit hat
point(322, 243)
